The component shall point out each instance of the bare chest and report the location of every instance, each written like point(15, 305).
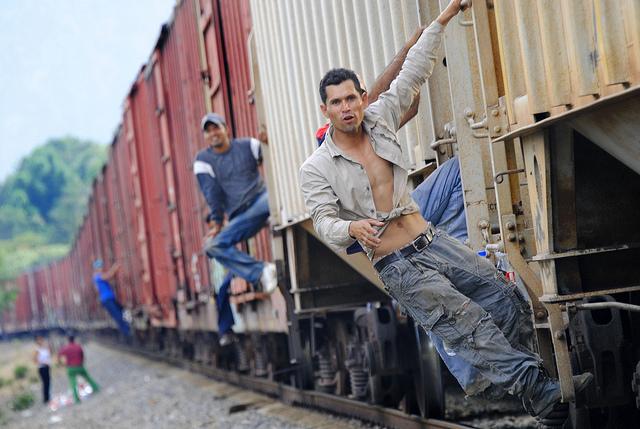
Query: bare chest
point(379, 171)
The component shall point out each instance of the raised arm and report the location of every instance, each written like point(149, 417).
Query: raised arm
point(383, 81)
point(418, 64)
point(111, 273)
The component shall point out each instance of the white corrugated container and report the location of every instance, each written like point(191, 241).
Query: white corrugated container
point(297, 42)
point(566, 54)
point(510, 63)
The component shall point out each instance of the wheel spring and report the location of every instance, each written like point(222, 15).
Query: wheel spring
point(359, 380)
point(261, 362)
point(327, 380)
point(241, 356)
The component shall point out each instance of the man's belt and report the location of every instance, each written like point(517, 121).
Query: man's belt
point(420, 243)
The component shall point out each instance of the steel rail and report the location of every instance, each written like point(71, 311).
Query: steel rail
point(291, 395)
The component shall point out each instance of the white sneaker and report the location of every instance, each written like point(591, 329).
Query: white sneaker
point(269, 278)
point(226, 339)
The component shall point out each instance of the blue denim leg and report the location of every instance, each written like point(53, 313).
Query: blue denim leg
point(242, 227)
point(115, 310)
point(424, 285)
point(478, 279)
point(225, 315)
point(509, 310)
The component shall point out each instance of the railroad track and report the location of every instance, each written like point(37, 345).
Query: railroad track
point(291, 395)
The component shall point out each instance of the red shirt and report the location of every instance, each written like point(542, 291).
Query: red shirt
point(73, 354)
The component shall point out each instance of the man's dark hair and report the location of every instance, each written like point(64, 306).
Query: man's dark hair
point(336, 77)
point(71, 338)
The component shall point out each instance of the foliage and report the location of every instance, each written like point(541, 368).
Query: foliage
point(25, 251)
point(22, 401)
point(20, 372)
point(7, 296)
point(42, 204)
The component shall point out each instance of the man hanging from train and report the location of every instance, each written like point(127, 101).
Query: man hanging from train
point(227, 172)
point(355, 187)
point(101, 279)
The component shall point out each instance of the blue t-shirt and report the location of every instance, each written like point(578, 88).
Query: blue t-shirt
point(440, 198)
point(230, 181)
point(104, 288)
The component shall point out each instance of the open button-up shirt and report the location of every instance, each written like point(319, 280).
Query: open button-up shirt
point(336, 188)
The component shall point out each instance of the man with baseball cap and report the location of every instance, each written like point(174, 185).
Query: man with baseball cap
point(227, 172)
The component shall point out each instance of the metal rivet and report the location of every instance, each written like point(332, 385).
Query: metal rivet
point(497, 129)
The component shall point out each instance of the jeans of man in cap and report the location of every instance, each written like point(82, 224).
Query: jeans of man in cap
point(242, 227)
point(449, 290)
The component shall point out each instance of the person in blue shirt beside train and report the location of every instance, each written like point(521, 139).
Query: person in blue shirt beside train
point(101, 279)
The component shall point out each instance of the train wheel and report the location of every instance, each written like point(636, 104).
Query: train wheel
point(428, 383)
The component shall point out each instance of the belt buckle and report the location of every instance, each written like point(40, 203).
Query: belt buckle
point(429, 233)
point(420, 249)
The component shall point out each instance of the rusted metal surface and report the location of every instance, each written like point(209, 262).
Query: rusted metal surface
point(178, 72)
point(154, 198)
point(236, 28)
point(212, 63)
point(122, 213)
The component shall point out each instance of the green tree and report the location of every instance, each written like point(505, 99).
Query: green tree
point(7, 292)
point(42, 203)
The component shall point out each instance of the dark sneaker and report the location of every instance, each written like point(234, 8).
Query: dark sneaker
point(546, 396)
point(556, 413)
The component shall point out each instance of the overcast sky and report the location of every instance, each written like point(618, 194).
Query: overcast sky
point(66, 66)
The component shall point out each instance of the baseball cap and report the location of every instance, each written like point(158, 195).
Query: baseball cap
point(97, 264)
point(321, 133)
point(214, 118)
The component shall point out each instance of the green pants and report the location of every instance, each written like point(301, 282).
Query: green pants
point(73, 372)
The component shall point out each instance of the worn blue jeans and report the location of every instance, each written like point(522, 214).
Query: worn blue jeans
point(225, 314)
point(463, 300)
point(242, 227)
point(114, 308)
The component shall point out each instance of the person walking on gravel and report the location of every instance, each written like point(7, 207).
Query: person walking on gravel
point(73, 357)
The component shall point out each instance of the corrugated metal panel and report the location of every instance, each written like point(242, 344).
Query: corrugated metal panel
point(23, 312)
point(130, 258)
point(158, 100)
point(179, 60)
point(571, 52)
point(140, 225)
point(119, 240)
point(212, 64)
point(236, 28)
point(297, 42)
point(154, 200)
